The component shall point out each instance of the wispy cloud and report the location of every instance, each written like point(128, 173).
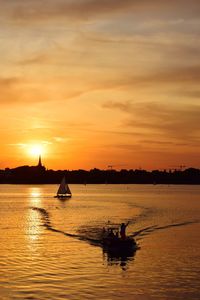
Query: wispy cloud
point(173, 121)
point(89, 9)
point(21, 145)
point(8, 89)
point(123, 106)
point(190, 74)
point(24, 145)
point(36, 59)
point(60, 139)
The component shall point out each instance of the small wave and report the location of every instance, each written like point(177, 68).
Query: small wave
point(154, 228)
point(177, 224)
point(144, 230)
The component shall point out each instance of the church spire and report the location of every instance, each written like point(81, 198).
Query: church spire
point(39, 162)
point(40, 167)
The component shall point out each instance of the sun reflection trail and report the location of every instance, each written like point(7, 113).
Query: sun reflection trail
point(33, 228)
point(35, 195)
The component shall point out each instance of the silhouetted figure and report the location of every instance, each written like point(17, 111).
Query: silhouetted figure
point(111, 233)
point(123, 230)
point(104, 230)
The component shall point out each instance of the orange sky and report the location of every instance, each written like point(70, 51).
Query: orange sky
point(98, 83)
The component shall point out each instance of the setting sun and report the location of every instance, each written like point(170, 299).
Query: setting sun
point(35, 150)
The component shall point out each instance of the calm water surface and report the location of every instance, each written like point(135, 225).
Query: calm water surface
point(47, 250)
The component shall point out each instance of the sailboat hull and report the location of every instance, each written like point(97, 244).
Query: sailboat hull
point(63, 196)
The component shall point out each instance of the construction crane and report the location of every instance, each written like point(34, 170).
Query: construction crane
point(179, 168)
point(110, 167)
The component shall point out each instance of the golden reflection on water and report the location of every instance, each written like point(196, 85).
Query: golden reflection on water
point(35, 195)
point(33, 228)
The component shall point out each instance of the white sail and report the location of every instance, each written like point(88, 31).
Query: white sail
point(63, 188)
point(67, 189)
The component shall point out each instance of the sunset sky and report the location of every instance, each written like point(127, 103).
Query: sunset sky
point(100, 82)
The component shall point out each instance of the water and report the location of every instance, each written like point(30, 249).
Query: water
point(47, 250)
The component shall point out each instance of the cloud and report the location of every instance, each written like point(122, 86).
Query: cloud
point(123, 106)
point(31, 11)
point(59, 139)
point(181, 123)
point(172, 121)
point(188, 93)
point(32, 90)
point(181, 74)
point(25, 145)
point(21, 145)
point(16, 90)
point(35, 10)
point(8, 82)
point(36, 59)
point(174, 77)
point(8, 89)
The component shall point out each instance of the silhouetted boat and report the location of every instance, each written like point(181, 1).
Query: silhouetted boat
point(118, 244)
point(63, 190)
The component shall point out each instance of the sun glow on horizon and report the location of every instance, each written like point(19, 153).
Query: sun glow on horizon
point(36, 150)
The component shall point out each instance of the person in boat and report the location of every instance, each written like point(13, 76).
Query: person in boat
point(111, 233)
point(123, 230)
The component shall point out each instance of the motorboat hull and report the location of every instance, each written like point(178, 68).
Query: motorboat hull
point(119, 244)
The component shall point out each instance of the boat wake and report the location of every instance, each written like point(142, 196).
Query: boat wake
point(147, 230)
point(96, 238)
point(113, 256)
point(47, 224)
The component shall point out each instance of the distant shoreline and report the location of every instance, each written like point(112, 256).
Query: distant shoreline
point(56, 183)
point(40, 175)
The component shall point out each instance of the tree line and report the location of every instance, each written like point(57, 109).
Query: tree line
point(40, 175)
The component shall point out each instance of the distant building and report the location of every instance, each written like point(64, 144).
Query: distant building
point(39, 162)
point(39, 166)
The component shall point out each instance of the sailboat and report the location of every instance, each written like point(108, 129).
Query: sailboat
point(63, 190)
